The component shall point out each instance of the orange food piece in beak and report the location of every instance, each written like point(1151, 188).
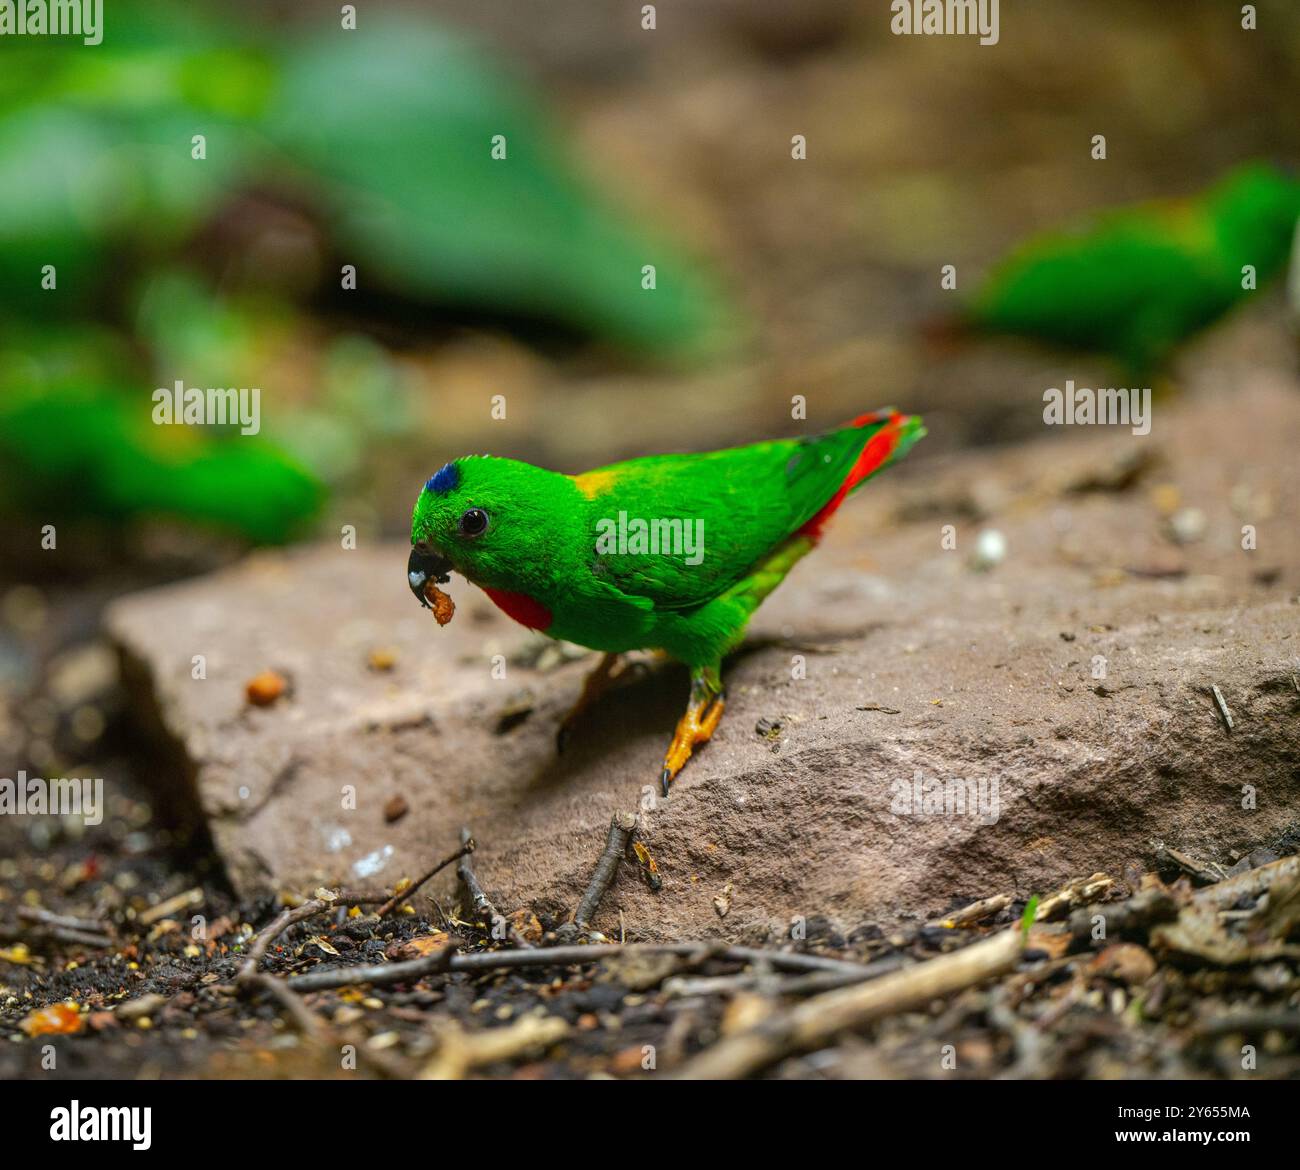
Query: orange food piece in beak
point(444, 609)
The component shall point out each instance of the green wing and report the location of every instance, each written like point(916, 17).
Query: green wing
point(748, 499)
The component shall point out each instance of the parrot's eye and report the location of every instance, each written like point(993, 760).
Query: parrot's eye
point(474, 522)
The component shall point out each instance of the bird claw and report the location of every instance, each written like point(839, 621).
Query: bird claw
point(695, 727)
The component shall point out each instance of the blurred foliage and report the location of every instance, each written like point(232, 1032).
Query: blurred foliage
point(399, 121)
point(1136, 282)
point(381, 138)
point(75, 441)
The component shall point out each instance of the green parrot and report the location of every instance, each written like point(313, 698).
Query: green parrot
point(672, 553)
point(1135, 282)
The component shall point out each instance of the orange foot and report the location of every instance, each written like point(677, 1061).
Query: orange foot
point(694, 728)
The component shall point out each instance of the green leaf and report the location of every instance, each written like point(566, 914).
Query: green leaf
point(95, 452)
point(399, 119)
point(1027, 918)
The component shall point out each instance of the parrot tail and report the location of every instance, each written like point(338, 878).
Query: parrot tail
point(890, 436)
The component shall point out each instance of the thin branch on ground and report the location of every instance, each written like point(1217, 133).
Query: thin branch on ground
point(466, 848)
point(187, 900)
point(63, 921)
point(376, 975)
point(819, 1020)
point(621, 828)
point(480, 904)
point(460, 1051)
point(304, 1019)
point(293, 914)
point(447, 960)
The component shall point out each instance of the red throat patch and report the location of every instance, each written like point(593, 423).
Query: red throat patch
point(521, 607)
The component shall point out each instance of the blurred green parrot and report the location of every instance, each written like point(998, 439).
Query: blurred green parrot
point(1135, 282)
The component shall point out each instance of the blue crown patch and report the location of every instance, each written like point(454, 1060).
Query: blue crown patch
point(444, 479)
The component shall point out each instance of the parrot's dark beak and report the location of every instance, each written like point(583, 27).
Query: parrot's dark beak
point(424, 566)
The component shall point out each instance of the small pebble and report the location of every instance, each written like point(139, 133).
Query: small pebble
point(263, 689)
point(1186, 526)
point(990, 550)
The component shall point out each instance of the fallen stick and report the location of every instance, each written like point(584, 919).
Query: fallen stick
point(621, 827)
point(793, 960)
point(63, 921)
point(446, 960)
point(43, 929)
point(1254, 1020)
point(466, 848)
point(976, 911)
point(1079, 892)
point(460, 1051)
point(478, 900)
point(376, 975)
point(818, 1020)
point(1252, 883)
point(188, 900)
point(290, 915)
point(79, 938)
point(1222, 706)
point(304, 1019)
point(684, 987)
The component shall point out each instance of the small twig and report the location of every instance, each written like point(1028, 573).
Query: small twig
point(76, 938)
point(290, 915)
point(466, 848)
point(683, 987)
point(66, 921)
point(183, 901)
point(791, 960)
point(304, 1019)
point(819, 981)
point(80, 932)
point(1206, 872)
point(621, 827)
point(377, 975)
point(460, 1051)
point(446, 960)
point(1079, 892)
point(1223, 707)
point(478, 900)
point(79, 937)
point(1250, 1020)
point(976, 911)
point(818, 1020)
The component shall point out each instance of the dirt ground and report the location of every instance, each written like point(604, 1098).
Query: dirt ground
point(1120, 800)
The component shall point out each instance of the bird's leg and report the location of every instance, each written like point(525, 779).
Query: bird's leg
point(703, 712)
point(596, 684)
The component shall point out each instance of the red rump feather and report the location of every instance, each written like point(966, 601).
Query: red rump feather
point(875, 454)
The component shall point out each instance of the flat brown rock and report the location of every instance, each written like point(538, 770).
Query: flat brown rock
point(991, 675)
